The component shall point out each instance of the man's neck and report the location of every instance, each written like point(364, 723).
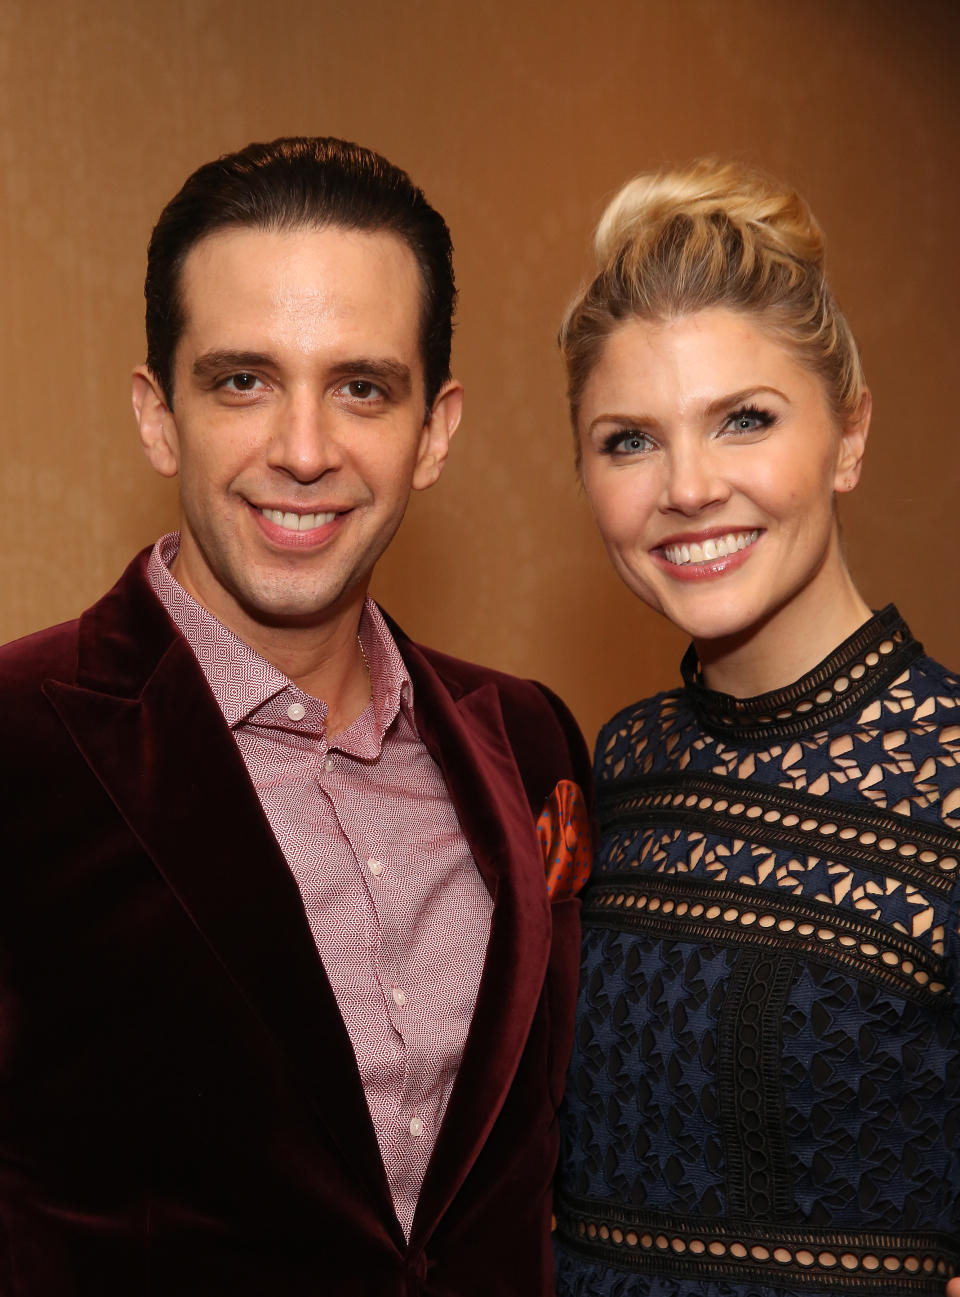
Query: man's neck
point(339, 673)
point(325, 659)
point(327, 662)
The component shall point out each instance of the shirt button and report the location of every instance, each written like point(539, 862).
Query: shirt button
point(296, 711)
point(328, 764)
point(416, 1127)
point(375, 867)
point(399, 997)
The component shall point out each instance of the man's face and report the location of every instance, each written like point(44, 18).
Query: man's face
point(298, 430)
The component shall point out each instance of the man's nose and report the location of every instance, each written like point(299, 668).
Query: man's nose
point(305, 441)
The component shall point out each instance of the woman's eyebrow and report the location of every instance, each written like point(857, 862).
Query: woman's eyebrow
point(737, 398)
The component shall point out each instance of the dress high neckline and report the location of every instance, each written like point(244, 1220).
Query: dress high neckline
point(863, 665)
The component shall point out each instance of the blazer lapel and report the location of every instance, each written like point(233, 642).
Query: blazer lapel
point(146, 723)
point(468, 741)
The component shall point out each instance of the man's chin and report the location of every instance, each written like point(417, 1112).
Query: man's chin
point(297, 609)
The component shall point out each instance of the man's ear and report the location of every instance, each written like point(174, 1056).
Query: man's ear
point(442, 423)
point(853, 443)
point(158, 431)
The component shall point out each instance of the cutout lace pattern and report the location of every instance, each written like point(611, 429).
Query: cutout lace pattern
point(765, 1084)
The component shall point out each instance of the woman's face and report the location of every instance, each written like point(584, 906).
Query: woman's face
point(711, 458)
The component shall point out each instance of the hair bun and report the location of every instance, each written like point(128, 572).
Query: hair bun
point(768, 214)
point(713, 234)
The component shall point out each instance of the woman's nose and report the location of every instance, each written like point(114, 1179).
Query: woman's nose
point(693, 480)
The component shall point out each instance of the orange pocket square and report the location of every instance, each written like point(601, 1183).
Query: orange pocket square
point(564, 832)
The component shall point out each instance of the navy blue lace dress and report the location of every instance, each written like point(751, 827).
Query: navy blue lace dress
point(764, 1097)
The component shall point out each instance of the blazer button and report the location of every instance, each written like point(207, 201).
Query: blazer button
point(417, 1267)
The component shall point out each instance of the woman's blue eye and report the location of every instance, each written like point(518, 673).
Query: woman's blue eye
point(626, 443)
point(749, 419)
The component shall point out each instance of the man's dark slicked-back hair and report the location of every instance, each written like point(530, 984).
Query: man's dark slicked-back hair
point(291, 184)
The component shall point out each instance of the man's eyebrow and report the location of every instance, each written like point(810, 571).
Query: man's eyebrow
point(212, 364)
point(387, 371)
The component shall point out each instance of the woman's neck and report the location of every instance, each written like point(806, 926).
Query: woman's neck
point(789, 643)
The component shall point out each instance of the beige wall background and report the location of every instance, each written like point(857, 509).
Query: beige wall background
point(519, 119)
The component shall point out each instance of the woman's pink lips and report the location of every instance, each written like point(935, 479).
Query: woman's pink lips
point(287, 539)
point(706, 533)
point(703, 571)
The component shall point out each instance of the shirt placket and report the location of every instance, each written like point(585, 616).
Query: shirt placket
point(405, 1141)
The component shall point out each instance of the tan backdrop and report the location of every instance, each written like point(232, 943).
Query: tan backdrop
point(518, 119)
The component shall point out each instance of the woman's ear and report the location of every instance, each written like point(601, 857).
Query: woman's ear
point(158, 431)
point(853, 443)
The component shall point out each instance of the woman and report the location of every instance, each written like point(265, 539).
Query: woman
point(765, 1088)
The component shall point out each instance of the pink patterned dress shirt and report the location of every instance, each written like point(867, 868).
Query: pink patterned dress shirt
point(396, 905)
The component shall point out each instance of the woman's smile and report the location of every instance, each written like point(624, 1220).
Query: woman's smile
point(703, 552)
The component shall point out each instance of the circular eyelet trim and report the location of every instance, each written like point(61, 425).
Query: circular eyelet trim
point(745, 917)
point(895, 842)
point(820, 1253)
point(839, 685)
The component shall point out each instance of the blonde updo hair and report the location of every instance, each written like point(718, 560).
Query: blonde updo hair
point(713, 234)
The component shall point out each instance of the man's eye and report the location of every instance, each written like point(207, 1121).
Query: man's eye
point(242, 382)
point(361, 389)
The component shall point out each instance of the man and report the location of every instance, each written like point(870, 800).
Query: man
point(284, 1005)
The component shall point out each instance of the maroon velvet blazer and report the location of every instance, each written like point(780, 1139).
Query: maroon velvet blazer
point(180, 1109)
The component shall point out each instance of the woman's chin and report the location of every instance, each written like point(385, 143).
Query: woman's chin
point(709, 617)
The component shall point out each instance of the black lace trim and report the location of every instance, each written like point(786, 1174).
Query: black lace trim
point(676, 905)
point(862, 666)
point(855, 832)
point(751, 1105)
point(702, 1249)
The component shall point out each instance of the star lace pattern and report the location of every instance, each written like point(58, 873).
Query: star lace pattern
point(765, 1090)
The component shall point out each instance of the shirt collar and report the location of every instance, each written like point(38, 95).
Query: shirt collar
point(242, 681)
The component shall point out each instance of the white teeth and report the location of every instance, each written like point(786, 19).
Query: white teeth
point(716, 547)
point(297, 521)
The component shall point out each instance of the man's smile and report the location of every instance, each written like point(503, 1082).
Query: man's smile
point(291, 521)
point(286, 528)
